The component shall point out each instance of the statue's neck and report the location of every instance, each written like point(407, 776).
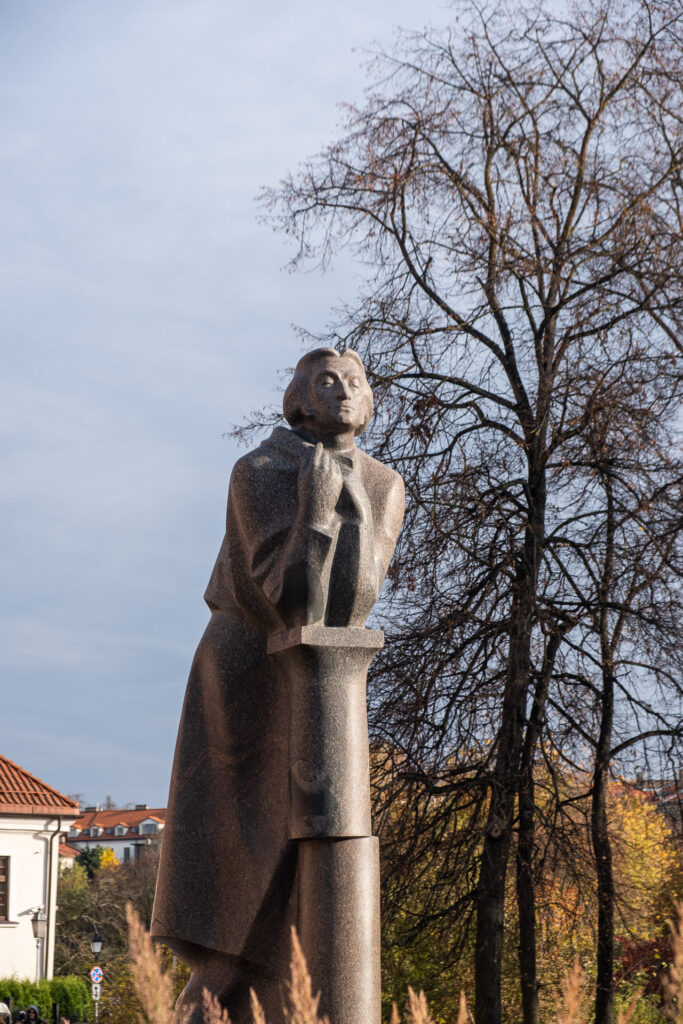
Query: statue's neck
point(337, 442)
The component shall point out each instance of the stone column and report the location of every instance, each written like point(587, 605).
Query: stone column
point(325, 669)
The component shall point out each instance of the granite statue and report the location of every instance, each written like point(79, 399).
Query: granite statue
point(268, 820)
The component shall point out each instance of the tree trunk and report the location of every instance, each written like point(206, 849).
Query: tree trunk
point(604, 993)
point(490, 899)
point(526, 890)
point(526, 893)
point(604, 989)
point(493, 871)
point(602, 849)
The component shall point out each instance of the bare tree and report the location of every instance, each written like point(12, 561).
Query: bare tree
point(623, 562)
point(513, 187)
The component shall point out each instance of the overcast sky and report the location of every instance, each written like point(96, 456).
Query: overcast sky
point(143, 310)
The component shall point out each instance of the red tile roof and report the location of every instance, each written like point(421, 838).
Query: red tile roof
point(67, 851)
point(23, 793)
point(122, 816)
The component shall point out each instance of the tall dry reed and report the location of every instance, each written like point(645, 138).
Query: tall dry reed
point(673, 983)
point(303, 1005)
point(572, 996)
point(154, 989)
point(213, 1012)
point(256, 1009)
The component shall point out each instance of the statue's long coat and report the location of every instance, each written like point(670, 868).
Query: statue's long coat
point(227, 873)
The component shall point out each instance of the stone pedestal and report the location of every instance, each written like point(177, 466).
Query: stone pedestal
point(325, 669)
point(338, 925)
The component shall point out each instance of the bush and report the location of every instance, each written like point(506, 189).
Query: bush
point(72, 994)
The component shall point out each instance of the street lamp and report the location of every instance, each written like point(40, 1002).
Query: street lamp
point(96, 944)
point(39, 925)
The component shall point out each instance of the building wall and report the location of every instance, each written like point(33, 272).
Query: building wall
point(125, 847)
point(119, 844)
point(34, 855)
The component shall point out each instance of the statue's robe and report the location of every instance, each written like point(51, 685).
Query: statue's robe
point(227, 873)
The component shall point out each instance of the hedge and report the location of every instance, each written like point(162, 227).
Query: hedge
point(72, 994)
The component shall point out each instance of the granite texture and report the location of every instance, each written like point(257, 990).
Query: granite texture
point(329, 759)
point(339, 927)
point(272, 745)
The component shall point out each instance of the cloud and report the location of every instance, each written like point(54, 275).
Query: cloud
point(142, 310)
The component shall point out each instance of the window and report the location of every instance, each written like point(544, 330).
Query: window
point(126, 854)
point(148, 829)
point(4, 888)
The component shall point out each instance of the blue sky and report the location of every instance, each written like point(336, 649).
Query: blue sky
point(143, 310)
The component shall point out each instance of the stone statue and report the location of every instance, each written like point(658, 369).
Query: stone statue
point(268, 820)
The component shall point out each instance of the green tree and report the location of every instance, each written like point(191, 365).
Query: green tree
point(98, 903)
point(646, 865)
point(90, 859)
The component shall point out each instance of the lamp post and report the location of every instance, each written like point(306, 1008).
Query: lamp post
point(39, 925)
point(96, 944)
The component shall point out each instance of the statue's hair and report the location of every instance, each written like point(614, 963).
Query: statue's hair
point(296, 405)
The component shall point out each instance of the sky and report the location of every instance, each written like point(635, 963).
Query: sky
point(144, 310)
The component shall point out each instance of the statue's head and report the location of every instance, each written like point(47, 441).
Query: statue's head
point(329, 393)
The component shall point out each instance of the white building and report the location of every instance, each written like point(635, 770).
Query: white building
point(67, 856)
point(126, 831)
point(33, 816)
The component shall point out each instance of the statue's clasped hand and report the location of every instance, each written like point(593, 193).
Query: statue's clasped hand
point(322, 476)
point(321, 479)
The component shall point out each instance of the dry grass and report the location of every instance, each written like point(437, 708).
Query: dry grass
point(673, 983)
point(303, 1005)
point(155, 989)
point(574, 999)
point(214, 1013)
point(418, 1012)
point(256, 1009)
point(572, 996)
point(463, 1012)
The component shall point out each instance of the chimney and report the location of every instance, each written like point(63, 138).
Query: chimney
point(89, 810)
point(141, 807)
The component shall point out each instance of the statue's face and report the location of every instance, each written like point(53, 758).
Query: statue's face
point(337, 396)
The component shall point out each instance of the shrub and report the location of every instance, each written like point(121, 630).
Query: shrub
point(70, 992)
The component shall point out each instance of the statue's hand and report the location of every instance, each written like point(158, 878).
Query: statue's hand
point(357, 493)
point(320, 484)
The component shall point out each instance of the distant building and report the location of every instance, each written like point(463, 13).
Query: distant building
point(126, 831)
point(668, 796)
point(33, 817)
point(67, 855)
